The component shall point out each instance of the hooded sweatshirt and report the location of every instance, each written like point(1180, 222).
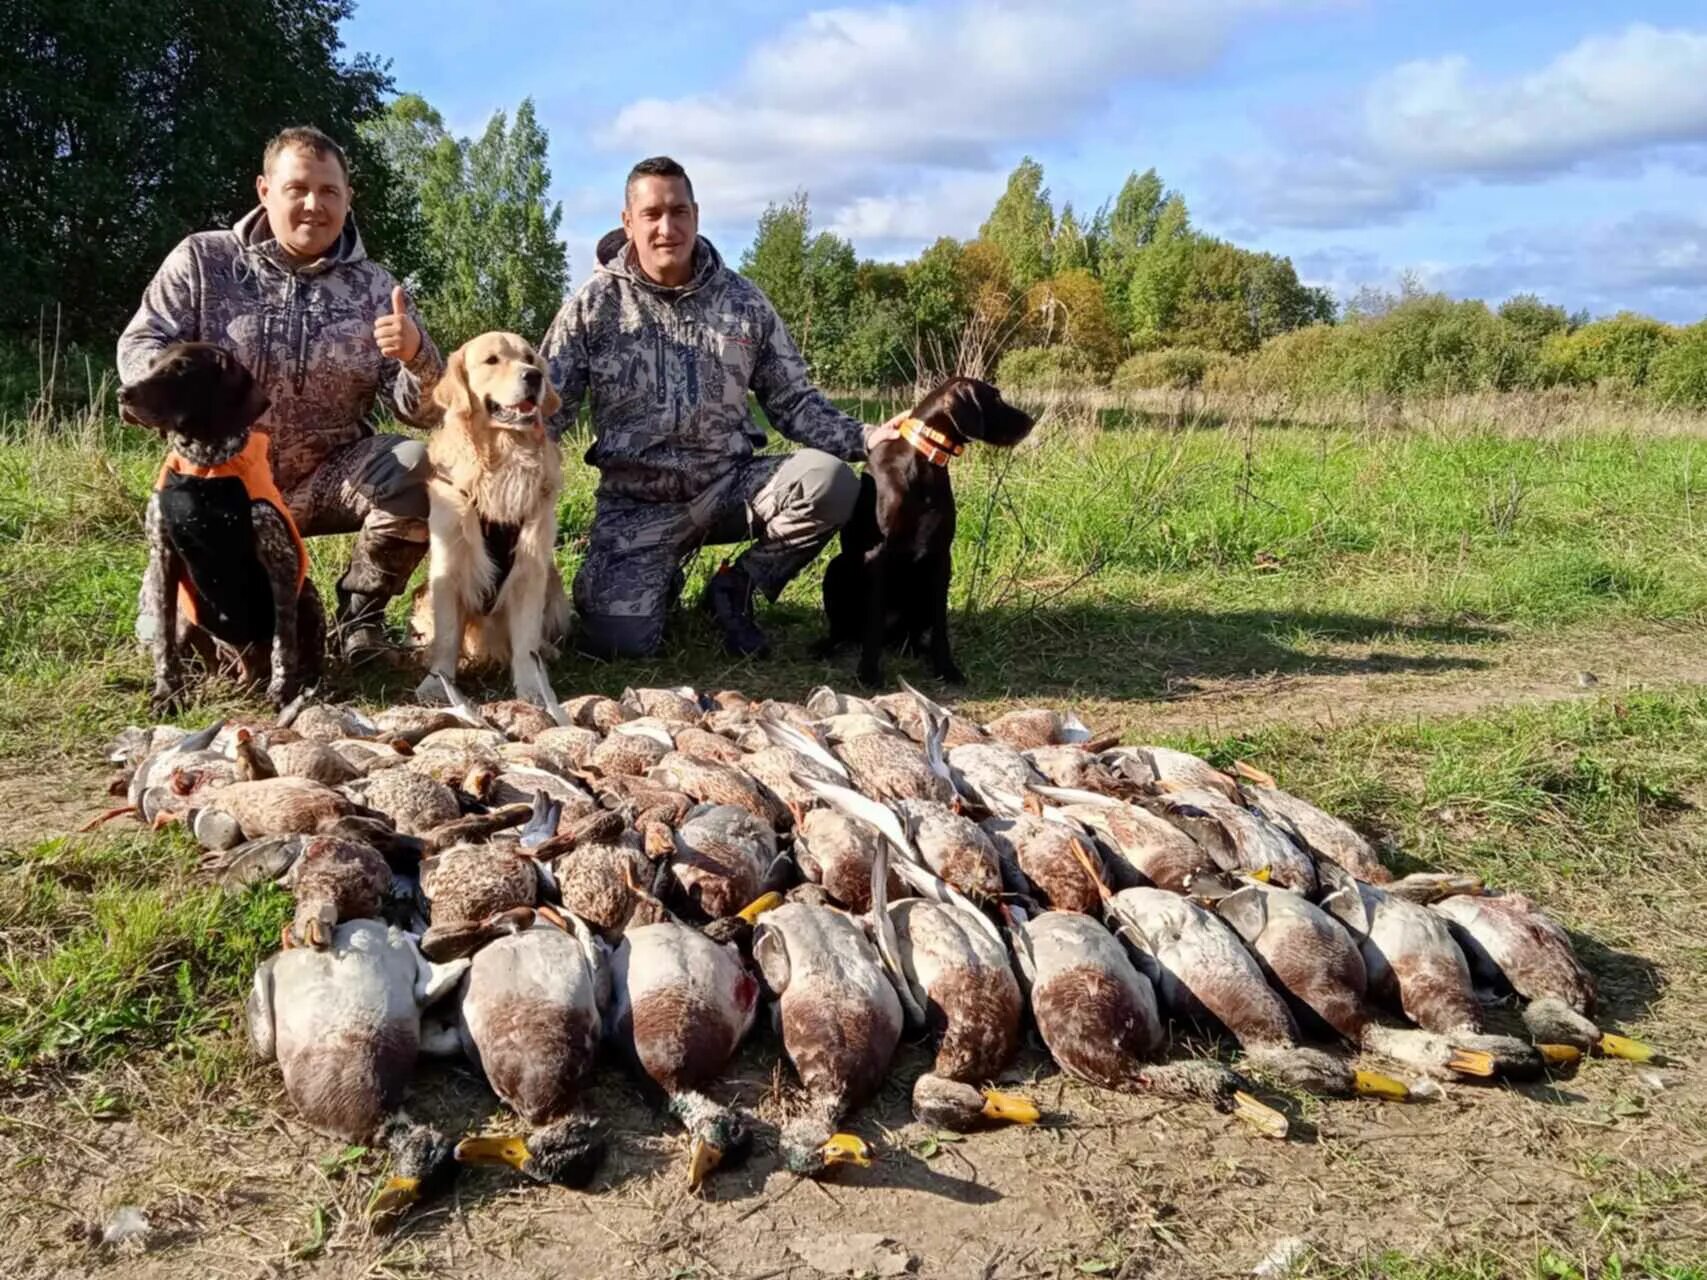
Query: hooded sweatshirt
point(667, 371)
point(305, 333)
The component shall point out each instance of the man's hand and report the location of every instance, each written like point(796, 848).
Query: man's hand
point(890, 430)
point(397, 335)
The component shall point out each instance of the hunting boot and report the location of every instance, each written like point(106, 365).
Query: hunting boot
point(729, 600)
point(379, 569)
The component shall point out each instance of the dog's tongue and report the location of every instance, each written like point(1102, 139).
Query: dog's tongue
point(525, 406)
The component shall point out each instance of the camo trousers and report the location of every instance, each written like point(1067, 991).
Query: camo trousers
point(375, 487)
point(789, 504)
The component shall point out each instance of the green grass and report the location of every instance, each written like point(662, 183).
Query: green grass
point(1102, 561)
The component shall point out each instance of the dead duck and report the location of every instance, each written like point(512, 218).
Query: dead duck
point(681, 1005)
point(952, 847)
point(950, 967)
point(680, 705)
point(722, 859)
point(161, 770)
point(837, 852)
point(840, 1019)
point(777, 770)
point(1047, 860)
point(413, 802)
point(335, 881)
point(1512, 945)
point(992, 775)
point(913, 712)
point(530, 1017)
point(344, 1023)
point(467, 885)
point(316, 761)
point(1075, 768)
point(1138, 847)
point(1203, 971)
point(824, 702)
point(1414, 963)
point(718, 784)
point(595, 711)
point(1234, 837)
point(1321, 833)
point(631, 749)
point(268, 807)
point(571, 743)
point(881, 764)
point(1038, 727)
point(410, 723)
point(517, 720)
point(328, 721)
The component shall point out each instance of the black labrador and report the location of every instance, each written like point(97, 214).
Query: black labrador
point(227, 572)
point(889, 583)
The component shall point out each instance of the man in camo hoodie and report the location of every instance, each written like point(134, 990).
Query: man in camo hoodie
point(325, 332)
point(664, 342)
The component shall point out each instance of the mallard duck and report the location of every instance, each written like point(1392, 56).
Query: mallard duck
point(913, 712)
point(515, 783)
point(469, 884)
point(837, 852)
point(149, 761)
point(777, 770)
point(517, 720)
point(413, 803)
point(530, 1017)
point(611, 885)
point(681, 1005)
point(824, 702)
point(316, 761)
point(631, 749)
point(1511, 944)
point(952, 847)
point(461, 738)
point(269, 807)
point(1080, 770)
point(1321, 833)
point(992, 775)
point(679, 706)
point(595, 711)
point(1234, 837)
point(1202, 970)
point(1038, 727)
point(1147, 766)
point(840, 1020)
point(328, 721)
point(1138, 847)
point(722, 859)
point(1049, 860)
point(570, 742)
point(718, 784)
point(1413, 962)
point(702, 744)
point(950, 968)
point(335, 881)
point(889, 766)
point(412, 723)
point(344, 1023)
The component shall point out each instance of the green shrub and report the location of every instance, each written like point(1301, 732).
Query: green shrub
point(1303, 360)
point(1677, 376)
point(1613, 354)
point(1175, 368)
point(1045, 367)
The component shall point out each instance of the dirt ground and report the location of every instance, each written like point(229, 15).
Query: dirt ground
point(1613, 1158)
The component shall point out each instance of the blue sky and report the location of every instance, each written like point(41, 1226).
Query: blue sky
point(1490, 147)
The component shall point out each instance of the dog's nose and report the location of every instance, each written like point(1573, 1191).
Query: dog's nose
point(531, 380)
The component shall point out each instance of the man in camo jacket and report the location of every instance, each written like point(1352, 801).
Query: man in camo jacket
point(325, 331)
point(665, 341)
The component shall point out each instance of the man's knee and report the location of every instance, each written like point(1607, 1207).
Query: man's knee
point(608, 635)
point(824, 489)
point(397, 481)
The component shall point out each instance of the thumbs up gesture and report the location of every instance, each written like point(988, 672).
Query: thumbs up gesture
point(398, 336)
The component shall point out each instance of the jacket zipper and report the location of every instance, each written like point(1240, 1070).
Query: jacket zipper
point(299, 314)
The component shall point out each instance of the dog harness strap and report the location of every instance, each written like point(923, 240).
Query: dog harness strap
point(936, 447)
point(250, 465)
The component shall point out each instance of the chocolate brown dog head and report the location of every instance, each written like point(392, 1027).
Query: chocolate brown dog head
point(196, 394)
point(967, 409)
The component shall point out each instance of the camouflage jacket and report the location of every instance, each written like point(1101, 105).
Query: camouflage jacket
point(306, 334)
point(668, 371)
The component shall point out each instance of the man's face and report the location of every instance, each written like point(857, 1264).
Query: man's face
point(662, 221)
point(307, 198)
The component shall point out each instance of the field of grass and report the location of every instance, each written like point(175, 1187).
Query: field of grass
point(1126, 566)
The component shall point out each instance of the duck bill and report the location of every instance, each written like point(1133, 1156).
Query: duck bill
point(1266, 1120)
point(1372, 1084)
point(758, 906)
point(703, 1158)
point(1559, 1055)
point(1250, 773)
point(1471, 1062)
point(1010, 1108)
point(1630, 1050)
point(392, 1201)
point(508, 1150)
point(846, 1148)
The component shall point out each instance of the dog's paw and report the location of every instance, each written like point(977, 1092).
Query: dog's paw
point(948, 673)
point(282, 691)
point(165, 700)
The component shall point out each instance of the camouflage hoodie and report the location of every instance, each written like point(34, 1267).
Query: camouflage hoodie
point(305, 333)
point(668, 372)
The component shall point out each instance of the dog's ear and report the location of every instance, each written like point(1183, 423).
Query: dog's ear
point(453, 394)
point(550, 402)
point(246, 393)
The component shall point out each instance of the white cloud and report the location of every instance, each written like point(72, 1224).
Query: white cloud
point(855, 104)
point(1629, 99)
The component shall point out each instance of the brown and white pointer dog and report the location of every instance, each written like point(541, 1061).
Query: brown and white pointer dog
point(227, 573)
point(889, 583)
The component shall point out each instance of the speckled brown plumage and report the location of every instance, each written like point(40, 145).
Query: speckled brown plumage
point(627, 754)
point(469, 882)
point(722, 856)
point(1047, 855)
point(517, 720)
point(336, 880)
point(1140, 848)
point(711, 783)
point(604, 883)
point(413, 802)
point(1032, 727)
point(666, 704)
point(1095, 1011)
point(702, 744)
point(279, 806)
point(595, 711)
point(315, 761)
point(954, 847)
point(891, 767)
point(837, 852)
point(572, 742)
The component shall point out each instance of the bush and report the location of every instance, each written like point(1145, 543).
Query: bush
point(1040, 368)
point(1174, 368)
point(1677, 376)
point(1308, 359)
point(1613, 354)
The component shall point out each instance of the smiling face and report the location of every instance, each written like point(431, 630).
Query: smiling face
point(501, 377)
point(307, 197)
point(662, 220)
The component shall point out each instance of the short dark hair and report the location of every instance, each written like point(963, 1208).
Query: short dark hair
point(308, 138)
point(656, 167)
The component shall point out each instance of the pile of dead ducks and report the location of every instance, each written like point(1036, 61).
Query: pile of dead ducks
point(527, 887)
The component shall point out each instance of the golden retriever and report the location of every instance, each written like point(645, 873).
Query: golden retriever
point(493, 592)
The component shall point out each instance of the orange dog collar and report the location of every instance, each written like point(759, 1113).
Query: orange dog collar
point(936, 447)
